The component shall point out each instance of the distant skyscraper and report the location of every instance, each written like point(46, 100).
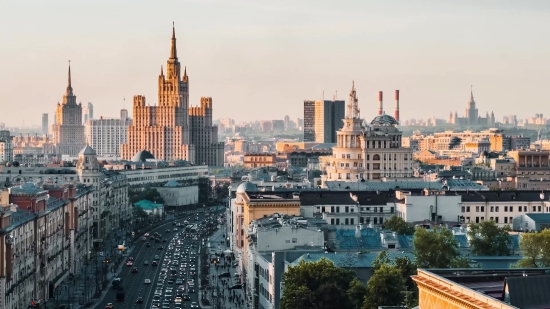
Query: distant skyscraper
point(322, 119)
point(68, 131)
point(88, 111)
point(44, 124)
point(287, 122)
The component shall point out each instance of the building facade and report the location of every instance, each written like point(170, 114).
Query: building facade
point(45, 124)
point(105, 135)
point(68, 131)
point(170, 129)
point(367, 151)
point(45, 237)
point(6, 146)
point(88, 111)
point(322, 119)
point(204, 135)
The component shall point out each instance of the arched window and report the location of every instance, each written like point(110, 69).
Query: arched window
point(376, 157)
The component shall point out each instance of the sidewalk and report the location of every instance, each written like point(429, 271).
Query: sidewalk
point(228, 298)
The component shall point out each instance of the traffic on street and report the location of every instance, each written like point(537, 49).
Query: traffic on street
point(161, 271)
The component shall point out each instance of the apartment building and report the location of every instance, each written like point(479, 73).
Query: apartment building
point(46, 236)
point(105, 135)
point(254, 160)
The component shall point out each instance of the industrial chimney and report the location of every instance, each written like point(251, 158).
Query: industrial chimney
point(396, 115)
point(380, 103)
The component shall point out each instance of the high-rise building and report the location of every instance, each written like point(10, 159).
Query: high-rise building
point(45, 124)
point(172, 130)
point(322, 119)
point(88, 112)
point(105, 135)
point(471, 116)
point(68, 131)
point(6, 146)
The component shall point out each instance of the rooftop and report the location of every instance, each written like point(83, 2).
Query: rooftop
point(452, 184)
point(311, 198)
point(355, 260)
point(147, 205)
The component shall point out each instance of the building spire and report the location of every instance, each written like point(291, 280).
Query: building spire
point(184, 78)
point(173, 50)
point(471, 93)
point(353, 106)
point(69, 83)
point(161, 71)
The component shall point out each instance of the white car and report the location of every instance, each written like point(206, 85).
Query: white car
point(147, 281)
point(177, 300)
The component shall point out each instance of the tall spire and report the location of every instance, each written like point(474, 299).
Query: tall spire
point(161, 71)
point(184, 78)
point(69, 84)
point(173, 50)
point(471, 93)
point(353, 106)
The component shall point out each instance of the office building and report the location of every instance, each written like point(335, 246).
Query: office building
point(105, 135)
point(45, 128)
point(68, 131)
point(322, 119)
point(88, 111)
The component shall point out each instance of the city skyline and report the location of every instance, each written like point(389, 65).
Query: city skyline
point(245, 51)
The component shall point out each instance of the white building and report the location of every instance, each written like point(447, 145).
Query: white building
point(105, 135)
point(416, 206)
point(369, 151)
point(88, 111)
point(6, 146)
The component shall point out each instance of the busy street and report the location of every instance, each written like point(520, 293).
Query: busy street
point(161, 270)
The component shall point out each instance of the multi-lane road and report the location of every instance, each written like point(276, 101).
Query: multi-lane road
point(172, 241)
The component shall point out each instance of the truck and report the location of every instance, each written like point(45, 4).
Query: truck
point(120, 295)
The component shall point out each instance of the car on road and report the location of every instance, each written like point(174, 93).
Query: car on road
point(131, 259)
point(194, 305)
point(134, 270)
point(178, 300)
point(155, 263)
point(147, 281)
point(139, 300)
point(147, 244)
point(224, 275)
point(160, 247)
point(109, 306)
point(129, 263)
point(186, 297)
point(156, 257)
point(146, 263)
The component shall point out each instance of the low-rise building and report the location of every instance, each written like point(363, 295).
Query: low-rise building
point(254, 160)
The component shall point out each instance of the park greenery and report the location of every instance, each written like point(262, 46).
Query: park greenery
point(536, 250)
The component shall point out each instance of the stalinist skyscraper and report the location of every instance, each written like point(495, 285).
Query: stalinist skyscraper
point(167, 130)
point(68, 131)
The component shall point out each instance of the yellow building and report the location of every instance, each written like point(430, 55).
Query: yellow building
point(253, 160)
point(475, 288)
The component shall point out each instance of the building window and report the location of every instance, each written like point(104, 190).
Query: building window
point(294, 240)
point(505, 208)
point(511, 208)
point(477, 208)
point(482, 208)
point(467, 208)
point(463, 208)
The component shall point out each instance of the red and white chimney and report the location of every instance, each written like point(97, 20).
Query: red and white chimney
point(396, 115)
point(380, 103)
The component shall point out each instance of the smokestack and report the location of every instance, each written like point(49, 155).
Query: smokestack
point(380, 103)
point(396, 116)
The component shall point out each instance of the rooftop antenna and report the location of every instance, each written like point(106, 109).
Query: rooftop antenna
point(124, 103)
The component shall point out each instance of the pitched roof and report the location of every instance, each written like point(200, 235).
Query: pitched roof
point(529, 292)
point(147, 205)
point(539, 218)
point(87, 151)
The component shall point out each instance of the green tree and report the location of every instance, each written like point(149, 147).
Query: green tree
point(407, 268)
point(436, 248)
point(356, 293)
point(140, 193)
point(315, 285)
point(536, 249)
point(398, 225)
point(385, 288)
point(487, 238)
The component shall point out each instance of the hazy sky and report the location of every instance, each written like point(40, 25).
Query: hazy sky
point(260, 59)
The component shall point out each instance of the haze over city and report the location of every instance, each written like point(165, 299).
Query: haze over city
point(253, 55)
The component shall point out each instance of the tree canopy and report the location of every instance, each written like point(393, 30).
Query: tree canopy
point(385, 288)
point(316, 285)
point(398, 225)
point(150, 194)
point(437, 248)
point(536, 249)
point(487, 238)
